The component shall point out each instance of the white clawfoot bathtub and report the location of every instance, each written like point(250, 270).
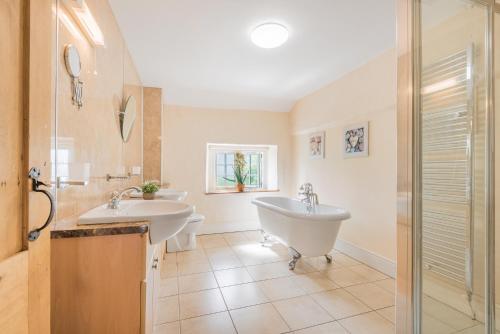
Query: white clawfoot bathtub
point(306, 232)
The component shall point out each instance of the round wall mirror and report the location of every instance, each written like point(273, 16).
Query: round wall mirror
point(72, 61)
point(127, 118)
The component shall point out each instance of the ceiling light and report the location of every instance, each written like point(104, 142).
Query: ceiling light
point(85, 19)
point(269, 35)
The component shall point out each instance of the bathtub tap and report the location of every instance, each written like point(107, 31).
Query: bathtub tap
point(305, 231)
point(308, 196)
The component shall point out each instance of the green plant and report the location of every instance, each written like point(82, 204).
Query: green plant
point(240, 169)
point(150, 187)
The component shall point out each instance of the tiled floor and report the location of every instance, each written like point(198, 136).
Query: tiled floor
point(232, 284)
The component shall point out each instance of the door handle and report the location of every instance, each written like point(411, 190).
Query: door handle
point(34, 174)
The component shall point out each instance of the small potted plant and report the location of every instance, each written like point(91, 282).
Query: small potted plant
point(240, 171)
point(149, 190)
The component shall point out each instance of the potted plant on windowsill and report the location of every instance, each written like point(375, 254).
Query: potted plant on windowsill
point(240, 172)
point(149, 190)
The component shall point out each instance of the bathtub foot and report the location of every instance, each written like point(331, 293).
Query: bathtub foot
point(328, 258)
point(267, 241)
point(295, 257)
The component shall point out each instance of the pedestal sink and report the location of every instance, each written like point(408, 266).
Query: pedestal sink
point(166, 218)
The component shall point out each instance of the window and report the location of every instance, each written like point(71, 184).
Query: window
point(260, 168)
point(225, 169)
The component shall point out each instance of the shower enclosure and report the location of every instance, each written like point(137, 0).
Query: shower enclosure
point(447, 267)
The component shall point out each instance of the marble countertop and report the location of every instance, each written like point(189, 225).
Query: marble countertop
point(70, 229)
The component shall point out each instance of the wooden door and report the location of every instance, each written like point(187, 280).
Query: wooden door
point(25, 141)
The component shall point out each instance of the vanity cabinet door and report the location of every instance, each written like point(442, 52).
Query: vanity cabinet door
point(149, 292)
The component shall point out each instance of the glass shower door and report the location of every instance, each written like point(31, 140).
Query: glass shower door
point(451, 211)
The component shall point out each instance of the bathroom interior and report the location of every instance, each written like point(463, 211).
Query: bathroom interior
point(249, 167)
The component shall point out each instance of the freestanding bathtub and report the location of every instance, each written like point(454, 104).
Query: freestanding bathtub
point(309, 232)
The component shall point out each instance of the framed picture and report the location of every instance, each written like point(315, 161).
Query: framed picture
point(317, 145)
point(356, 140)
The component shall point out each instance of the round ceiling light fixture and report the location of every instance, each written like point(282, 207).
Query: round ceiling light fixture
point(269, 35)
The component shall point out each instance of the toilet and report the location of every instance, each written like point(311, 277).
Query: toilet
point(186, 239)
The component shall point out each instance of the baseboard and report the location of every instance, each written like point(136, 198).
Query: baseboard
point(229, 227)
point(371, 259)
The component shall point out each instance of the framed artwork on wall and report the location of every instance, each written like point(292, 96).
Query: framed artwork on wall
point(317, 145)
point(355, 139)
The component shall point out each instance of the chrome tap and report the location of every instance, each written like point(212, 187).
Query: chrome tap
point(308, 196)
point(116, 197)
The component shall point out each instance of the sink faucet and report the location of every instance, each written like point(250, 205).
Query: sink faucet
point(116, 196)
point(308, 196)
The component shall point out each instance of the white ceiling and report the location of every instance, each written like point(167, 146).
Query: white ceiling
point(200, 53)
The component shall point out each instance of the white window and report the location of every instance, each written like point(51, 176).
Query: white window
point(260, 172)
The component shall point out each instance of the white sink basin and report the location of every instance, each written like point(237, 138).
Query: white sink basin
point(168, 194)
point(166, 218)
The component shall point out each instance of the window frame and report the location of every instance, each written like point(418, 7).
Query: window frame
point(211, 165)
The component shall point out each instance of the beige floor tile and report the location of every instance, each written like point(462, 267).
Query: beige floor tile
point(431, 325)
point(194, 267)
point(213, 241)
point(345, 277)
point(219, 251)
point(168, 328)
point(191, 256)
point(218, 323)
point(369, 273)
point(340, 304)
point(253, 235)
point(281, 288)
point(479, 329)
point(197, 282)
point(302, 312)
point(225, 262)
point(269, 271)
point(243, 295)
point(315, 282)
point(328, 328)
point(389, 313)
point(387, 284)
point(200, 303)
point(255, 253)
point(236, 238)
point(446, 314)
point(302, 267)
point(368, 323)
point(167, 310)
point(259, 319)
point(170, 257)
point(169, 269)
point(372, 295)
point(320, 263)
point(343, 260)
point(232, 277)
point(168, 287)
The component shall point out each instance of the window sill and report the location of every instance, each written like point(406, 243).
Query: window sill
point(231, 191)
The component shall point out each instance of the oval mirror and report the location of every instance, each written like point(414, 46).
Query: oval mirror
point(72, 60)
point(127, 118)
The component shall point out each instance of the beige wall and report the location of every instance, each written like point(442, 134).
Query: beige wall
point(186, 134)
point(92, 134)
point(365, 186)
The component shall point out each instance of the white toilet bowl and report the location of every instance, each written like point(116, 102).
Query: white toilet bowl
point(186, 238)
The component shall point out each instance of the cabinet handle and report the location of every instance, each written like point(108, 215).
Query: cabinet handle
point(155, 263)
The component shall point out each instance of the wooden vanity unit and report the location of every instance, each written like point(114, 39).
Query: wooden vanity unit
point(105, 279)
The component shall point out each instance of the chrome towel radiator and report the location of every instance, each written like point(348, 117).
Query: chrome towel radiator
point(447, 119)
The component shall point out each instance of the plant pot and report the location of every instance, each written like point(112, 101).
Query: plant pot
point(240, 187)
point(148, 196)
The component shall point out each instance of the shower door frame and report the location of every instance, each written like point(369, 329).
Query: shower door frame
point(409, 252)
